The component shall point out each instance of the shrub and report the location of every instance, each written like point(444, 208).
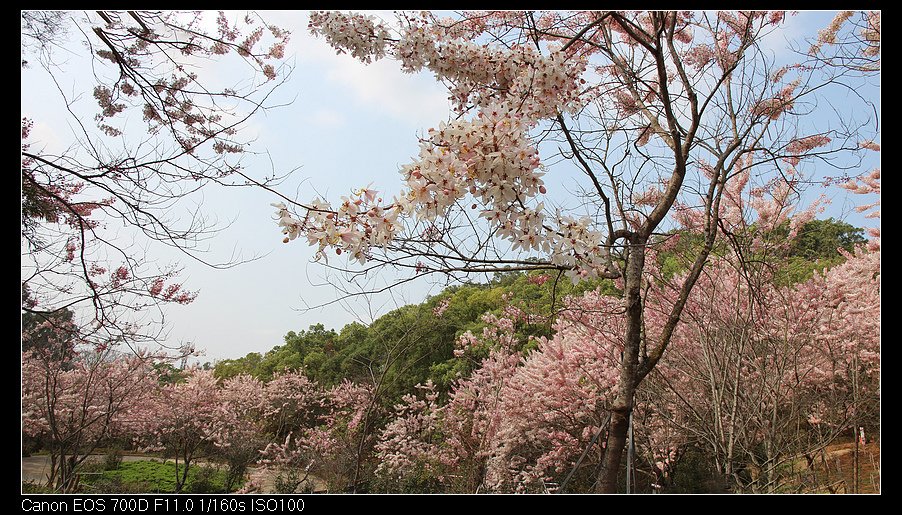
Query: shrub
point(112, 459)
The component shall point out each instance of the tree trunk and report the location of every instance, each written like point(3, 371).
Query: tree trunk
point(622, 406)
point(64, 476)
point(178, 488)
point(181, 477)
point(54, 469)
point(184, 481)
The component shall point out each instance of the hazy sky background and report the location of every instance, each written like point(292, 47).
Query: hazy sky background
point(348, 125)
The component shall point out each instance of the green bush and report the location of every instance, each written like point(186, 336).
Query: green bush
point(286, 482)
point(112, 459)
point(419, 482)
point(33, 487)
point(695, 473)
point(91, 466)
point(205, 483)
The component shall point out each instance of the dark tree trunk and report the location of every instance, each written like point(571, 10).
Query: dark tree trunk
point(626, 389)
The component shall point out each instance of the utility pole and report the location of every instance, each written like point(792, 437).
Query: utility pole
point(630, 455)
point(185, 349)
point(855, 429)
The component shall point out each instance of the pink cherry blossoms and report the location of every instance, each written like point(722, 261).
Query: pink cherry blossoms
point(753, 359)
point(75, 403)
point(801, 146)
point(518, 423)
point(672, 120)
point(514, 422)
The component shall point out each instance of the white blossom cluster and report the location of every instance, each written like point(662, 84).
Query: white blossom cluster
point(490, 156)
point(355, 33)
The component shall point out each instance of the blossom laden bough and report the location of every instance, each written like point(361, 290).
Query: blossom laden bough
point(667, 118)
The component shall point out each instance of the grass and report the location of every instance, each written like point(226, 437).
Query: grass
point(33, 487)
point(151, 476)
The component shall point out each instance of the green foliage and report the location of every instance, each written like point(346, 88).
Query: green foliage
point(814, 248)
point(695, 473)
point(113, 485)
point(249, 364)
point(414, 344)
point(819, 239)
point(796, 269)
point(419, 481)
point(168, 374)
point(33, 487)
point(52, 332)
point(150, 476)
point(205, 482)
point(310, 348)
point(112, 460)
point(285, 483)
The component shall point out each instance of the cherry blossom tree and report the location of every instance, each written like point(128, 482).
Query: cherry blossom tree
point(237, 432)
point(343, 438)
point(761, 374)
point(293, 404)
point(520, 423)
point(761, 370)
point(752, 333)
point(866, 184)
point(146, 135)
point(452, 443)
point(659, 115)
point(314, 431)
point(75, 402)
point(560, 397)
point(185, 421)
point(410, 446)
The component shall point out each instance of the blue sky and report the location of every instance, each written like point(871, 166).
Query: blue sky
point(348, 125)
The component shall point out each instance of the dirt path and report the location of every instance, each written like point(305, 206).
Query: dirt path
point(266, 480)
point(36, 468)
point(834, 470)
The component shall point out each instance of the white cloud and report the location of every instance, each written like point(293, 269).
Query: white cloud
point(380, 87)
point(43, 138)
